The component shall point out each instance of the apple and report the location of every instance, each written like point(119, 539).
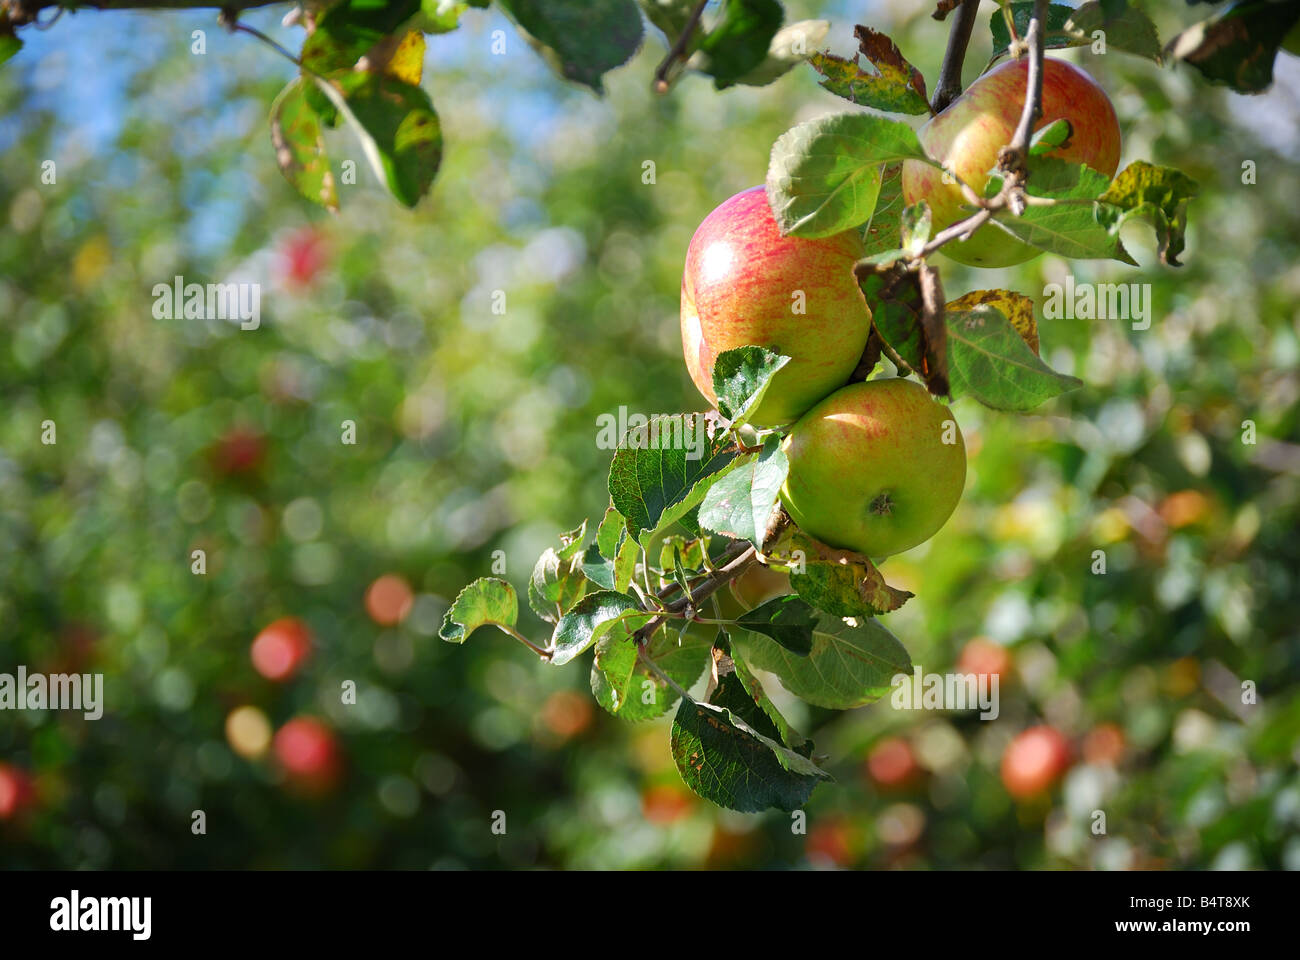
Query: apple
point(240, 451)
point(892, 764)
point(303, 256)
point(1034, 760)
point(745, 284)
point(966, 137)
point(664, 803)
point(389, 599)
point(870, 470)
point(309, 754)
point(759, 584)
point(280, 649)
point(1104, 745)
point(985, 658)
point(17, 792)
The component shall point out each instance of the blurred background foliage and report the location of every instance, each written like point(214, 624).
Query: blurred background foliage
point(477, 433)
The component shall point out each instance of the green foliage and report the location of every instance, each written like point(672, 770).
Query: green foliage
point(582, 39)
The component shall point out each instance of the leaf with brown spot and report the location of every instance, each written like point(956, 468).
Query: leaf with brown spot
point(840, 582)
point(885, 56)
point(1016, 307)
point(300, 148)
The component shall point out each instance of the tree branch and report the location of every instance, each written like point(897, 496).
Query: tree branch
point(948, 88)
point(1013, 157)
point(22, 12)
point(678, 48)
point(735, 561)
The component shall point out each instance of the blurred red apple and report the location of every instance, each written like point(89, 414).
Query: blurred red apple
point(832, 841)
point(1034, 761)
point(309, 753)
point(17, 792)
point(664, 803)
point(303, 256)
point(985, 658)
point(280, 649)
point(238, 452)
point(1104, 745)
point(389, 600)
point(745, 284)
point(892, 764)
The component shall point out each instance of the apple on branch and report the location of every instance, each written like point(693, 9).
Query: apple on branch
point(966, 137)
point(876, 467)
point(747, 285)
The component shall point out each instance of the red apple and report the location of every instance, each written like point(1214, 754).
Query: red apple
point(309, 753)
point(279, 650)
point(239, 451)
point(870, 468)
point(745, 284)
point(1104, 745)
point(389, 599)
point(967, 136)
point(985, 658)
point(663, 803)
point(892, 764)
point(303, 256)
point(1034, 760)
point(17, 792)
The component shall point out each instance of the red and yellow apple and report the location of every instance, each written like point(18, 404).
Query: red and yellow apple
point(280, 649)
point(747, 285)
point(1034, 760)
point(308, 753)
point(876, 467)
point(17, 792)
point(966, 137)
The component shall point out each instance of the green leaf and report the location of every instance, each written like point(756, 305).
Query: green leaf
point(1156, 194)
point(740, 504)
point(300, 147)
point(9, 44)
point(789, 620)
point(892, 85)
point(591, 618)
point(1129, 30)
point(629, 551)
point(690, 551)
point(729, 751)
point(739, 41)
point(581, 39)
point(670, 16)
point(791, 46)
point(1055, 135)
point(849, 665)
point(989, 361)
point(609, 533)
point(840, 582)
point(1238, 47)
point(661, 471)
point(780, 727)
point(559, 580)
point(884, 230)
point(398, 129)
point(914, 228)
point(441, 16)
point(824, 174)
point(597, 569)
point(486, 601)
point(741, 377)
point(625, 686)
point(1069, 229)
point(347, 30)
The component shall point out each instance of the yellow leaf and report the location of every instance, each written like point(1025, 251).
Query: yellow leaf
point(1016, 307)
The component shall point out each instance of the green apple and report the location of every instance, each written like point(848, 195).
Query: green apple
point(877, 467)
point(759, 584)
point(967, 136)
point(745, 284)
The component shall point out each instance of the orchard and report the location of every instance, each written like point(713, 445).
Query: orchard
point(651, 433)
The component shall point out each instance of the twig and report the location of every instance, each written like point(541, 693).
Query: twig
point(254, 32)
point(948, 88)
point(678, 48)
point(1012, 159)
point(737, 559)
point(544, 654)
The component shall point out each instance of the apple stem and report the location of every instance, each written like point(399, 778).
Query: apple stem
point(949, 87)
